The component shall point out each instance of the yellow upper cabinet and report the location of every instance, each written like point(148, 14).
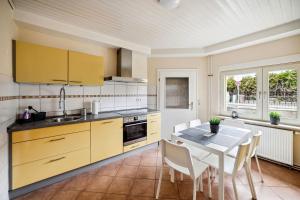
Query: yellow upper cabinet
point(40, 64)
point(85, 69)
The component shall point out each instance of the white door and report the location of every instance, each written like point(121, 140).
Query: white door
point(177, 98)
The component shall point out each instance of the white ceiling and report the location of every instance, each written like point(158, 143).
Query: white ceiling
point(194, 24)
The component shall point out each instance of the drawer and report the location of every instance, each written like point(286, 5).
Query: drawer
point(23, 152)
point(34, 134)
point(154, 116)
point(153, 137)
point(134, 146)
point(153, 126)
point(35, 171)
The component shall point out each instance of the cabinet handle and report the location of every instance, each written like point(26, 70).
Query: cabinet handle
point(153, 133)
point(58, 80)
point(54, 140)
point(134, 146)
point(108, 122)
point(54, 160)
point(75, 81)
point(153, 121)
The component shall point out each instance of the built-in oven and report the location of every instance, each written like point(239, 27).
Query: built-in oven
point(134, 129)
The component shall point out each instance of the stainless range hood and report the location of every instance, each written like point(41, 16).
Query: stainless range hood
point(124, 68)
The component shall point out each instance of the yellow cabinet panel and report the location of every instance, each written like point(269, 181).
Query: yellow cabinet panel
point(23, 152)
point(85, 69)
point(153, 128)
point(40, 64)
point(35, 171)
point(134, 146)
point(34, 134)
point(106, 139)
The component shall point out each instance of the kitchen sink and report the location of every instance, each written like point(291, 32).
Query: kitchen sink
point(65, 119)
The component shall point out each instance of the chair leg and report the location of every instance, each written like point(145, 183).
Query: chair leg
point(201, 183)
point(172, 174)
point(159, 183)
point(234, 188)
point(259, 169)
point(250, 180)
point(209, 184)
point(181, 176)
point(195, 189)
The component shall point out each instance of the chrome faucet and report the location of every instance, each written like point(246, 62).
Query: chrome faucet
point(62, 94)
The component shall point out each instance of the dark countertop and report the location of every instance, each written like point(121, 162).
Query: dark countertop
point(46, 123)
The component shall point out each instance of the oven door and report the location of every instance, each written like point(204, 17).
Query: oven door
point(134, 132)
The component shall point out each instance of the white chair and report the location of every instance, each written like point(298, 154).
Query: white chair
point(252, 153)
point(178, 157)
point(194, 123)
point(233, 165)
point(233, 122)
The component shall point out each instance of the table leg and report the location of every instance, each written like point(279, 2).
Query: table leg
point(221, 177)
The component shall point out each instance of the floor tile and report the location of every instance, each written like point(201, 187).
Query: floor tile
point(90, 196)
point(65, 195)
point(127, 171)
point(79, 182)
point(41, 194)
point(121, 186)
point(109, 170)
point(132, 160)
point(115, 197)
point(168, 189)
point(139, 198)
point(146, 172)
point(148, 161)
point(143, 187)
point(99, 183)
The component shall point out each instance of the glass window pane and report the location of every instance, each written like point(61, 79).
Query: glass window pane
point(283, 93)
point(177, 93)
point(241, 92)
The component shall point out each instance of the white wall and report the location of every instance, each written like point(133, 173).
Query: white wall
point(8, 106)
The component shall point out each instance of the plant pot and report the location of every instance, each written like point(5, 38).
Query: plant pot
point(214, 128)
point(274, 121)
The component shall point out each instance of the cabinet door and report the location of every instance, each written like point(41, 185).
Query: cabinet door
point(40, 64)
point(85, 69)
point(106, 139)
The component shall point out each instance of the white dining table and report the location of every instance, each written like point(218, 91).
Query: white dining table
point(220, 144)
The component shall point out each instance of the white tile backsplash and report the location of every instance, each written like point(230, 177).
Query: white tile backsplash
point(74, 103)
point(74, 90)
point(132, 89)
point(108, 89)
point(91, 90)
point(50, 89)
point(29, 90)
point(107, 102)
point(120, 102)
point(24, 103)
point(120, 89)
point(50, 104)
point(142, 90)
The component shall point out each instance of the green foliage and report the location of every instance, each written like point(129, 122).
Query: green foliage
point(214, 121)
point(274, 115)
point(283, 84)
point(231, 85)
point(248, 86)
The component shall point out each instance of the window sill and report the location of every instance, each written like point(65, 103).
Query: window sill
point(265, 124)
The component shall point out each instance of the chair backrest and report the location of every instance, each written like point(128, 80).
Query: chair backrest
point(241, 156)
point(194, 123)
point(254, 143)
point(180, 127)
point(177, 156)
point(233, 122)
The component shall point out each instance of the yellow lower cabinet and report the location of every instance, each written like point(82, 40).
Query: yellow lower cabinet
point(153, 128)
point(134, 146)
point(28, 151)
point(106, 139)
point(35, 171)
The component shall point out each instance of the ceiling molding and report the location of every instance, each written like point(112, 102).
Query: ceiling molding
point(31, 19)
point(275, 33)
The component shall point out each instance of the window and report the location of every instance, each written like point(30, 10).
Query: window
point(254, 93)
point(177, 93)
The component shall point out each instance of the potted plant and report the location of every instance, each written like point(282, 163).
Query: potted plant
point(274, 118)
point(214, 124)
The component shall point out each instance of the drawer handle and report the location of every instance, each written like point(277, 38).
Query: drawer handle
point(58, 139)
point(153, 133)
point(58, 80)
point(108, 122)
point(134, 146)
point(153, 121)
point(54, 160)
point(75, 81)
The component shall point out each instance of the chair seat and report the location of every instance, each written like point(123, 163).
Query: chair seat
point(213, 160)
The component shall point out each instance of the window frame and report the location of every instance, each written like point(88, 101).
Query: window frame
point(262, 94)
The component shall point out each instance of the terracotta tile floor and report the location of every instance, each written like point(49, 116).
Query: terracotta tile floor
point(136, 178)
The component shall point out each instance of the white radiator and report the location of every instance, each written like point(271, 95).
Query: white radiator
point(276, 144)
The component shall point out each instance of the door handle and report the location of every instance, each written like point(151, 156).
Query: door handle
point(191, 105)
point(259, 94)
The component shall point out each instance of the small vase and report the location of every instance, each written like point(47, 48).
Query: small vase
point(274, 121)
point(214, 128)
